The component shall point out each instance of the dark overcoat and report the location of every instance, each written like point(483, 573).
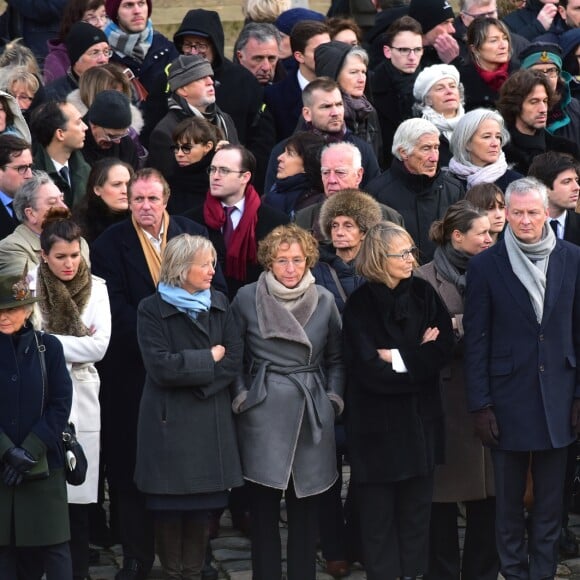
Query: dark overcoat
point(116, 256)
point(467, 473)
point(394, 421)
point(526, 370)
point(186, 441)
point(33, 416)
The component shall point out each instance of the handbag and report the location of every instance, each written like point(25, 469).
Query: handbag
point(76, 464)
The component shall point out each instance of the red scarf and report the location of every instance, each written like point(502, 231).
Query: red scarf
point(242, 250)
point(494, 78)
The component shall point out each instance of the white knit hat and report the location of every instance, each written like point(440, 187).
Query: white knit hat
point(431, 75)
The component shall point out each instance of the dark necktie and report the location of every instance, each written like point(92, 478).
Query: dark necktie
point(228, 228)
point(64, 173)
point(554, 225)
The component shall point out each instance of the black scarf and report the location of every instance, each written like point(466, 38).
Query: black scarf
point(451, 264)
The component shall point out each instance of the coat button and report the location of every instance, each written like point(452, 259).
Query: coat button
point(541, 368)
point(14, 378)
point(541, 337)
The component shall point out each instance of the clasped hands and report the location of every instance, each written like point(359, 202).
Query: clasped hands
point(16, 463)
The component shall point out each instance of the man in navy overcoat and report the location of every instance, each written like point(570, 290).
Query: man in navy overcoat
point(522, 340)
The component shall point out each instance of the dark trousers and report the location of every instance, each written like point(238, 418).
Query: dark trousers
point(395, 527)
point(32, 563)
point(135, 527)
point(266, 544)
point(480, 560)
point(537, 560)
point(78, 515)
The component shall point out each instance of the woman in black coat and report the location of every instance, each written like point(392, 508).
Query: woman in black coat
point(194, 144)
point(397, 337)
point(187, 454)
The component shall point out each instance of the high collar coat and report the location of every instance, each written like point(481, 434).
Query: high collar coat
point(293, 382)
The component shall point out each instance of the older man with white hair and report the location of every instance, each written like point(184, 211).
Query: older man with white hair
point(414, 185)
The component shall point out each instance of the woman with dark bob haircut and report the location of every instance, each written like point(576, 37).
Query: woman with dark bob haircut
point(105, 202)
point(298, 182)
point(490, 198)
point(397, 337)
point(467, 475)
point(194, 143)
point(287, 400)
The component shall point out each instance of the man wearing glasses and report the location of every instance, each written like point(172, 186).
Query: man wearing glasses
point(87, 47)
point(15, 169)
point(235, 216)
point(109, 121)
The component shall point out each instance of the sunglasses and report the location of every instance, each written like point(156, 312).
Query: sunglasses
point(185, 148)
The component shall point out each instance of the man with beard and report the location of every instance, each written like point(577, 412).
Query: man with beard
point(524, 101)
point(192, 95)
point(323, 112)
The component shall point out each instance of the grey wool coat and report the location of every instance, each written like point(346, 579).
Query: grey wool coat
point(186, 440)
point(292, 385)
point(468, 471)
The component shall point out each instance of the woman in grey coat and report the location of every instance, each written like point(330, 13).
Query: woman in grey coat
point(287, 400)
point(187, 456)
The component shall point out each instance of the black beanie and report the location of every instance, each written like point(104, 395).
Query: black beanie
point(110, 109)
point(430, 13)
point(80, 38)
point(329, 58)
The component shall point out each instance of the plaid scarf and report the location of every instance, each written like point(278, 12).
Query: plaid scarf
point(134, 45)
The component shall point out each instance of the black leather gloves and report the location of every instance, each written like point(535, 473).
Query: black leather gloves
point(485, 426)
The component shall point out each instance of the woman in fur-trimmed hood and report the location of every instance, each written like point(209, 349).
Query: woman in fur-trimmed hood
point(344, 219)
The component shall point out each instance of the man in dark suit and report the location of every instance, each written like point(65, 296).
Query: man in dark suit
point(560, 173)
point(128, 257)
point(235, 216)
point(15, 169)
point(522, 340)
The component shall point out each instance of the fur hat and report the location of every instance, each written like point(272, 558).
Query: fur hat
point(430, 13)
point(188, 68)
point(112, 8)
point(353, 203)
point(15, 291)
point(80, 38)
point(431, 75)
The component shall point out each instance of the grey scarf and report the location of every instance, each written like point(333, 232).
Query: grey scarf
point(529, 263)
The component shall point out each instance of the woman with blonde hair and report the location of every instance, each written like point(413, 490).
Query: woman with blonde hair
point(397, 336)
point(264, 10)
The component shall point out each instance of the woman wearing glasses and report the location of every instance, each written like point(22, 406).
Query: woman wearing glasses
point(490, 50)
point(57, 61)
point(397, 336)
point(194, 144)
point(287, 400)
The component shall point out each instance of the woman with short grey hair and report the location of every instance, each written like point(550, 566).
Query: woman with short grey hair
point(187, 454)
point(476, 145)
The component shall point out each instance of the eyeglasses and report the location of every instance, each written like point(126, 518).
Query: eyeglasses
point(21, 169)
point(95, 20)
point(551, 73)
point(405, 254)
point(24, 98)
point(186, 148)
point(106, 52)
point(490, 14)
point(407, 51)
point(222, 171)
point(284, 263)
point(200, 47)
point(115, 138)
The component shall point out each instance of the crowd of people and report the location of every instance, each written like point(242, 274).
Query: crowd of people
point(355, 240)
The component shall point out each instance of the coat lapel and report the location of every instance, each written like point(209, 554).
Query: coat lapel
point(555, 275)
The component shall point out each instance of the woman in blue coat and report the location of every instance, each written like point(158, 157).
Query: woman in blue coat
point(34, 409)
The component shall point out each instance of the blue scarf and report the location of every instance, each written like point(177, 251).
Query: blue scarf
point(134, 45)
point(191, 304)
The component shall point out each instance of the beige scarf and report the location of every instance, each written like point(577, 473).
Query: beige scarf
point(152, 256)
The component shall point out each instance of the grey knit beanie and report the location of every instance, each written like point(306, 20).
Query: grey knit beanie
point(188, 68)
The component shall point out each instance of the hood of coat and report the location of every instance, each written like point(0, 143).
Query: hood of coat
point(204, 23)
